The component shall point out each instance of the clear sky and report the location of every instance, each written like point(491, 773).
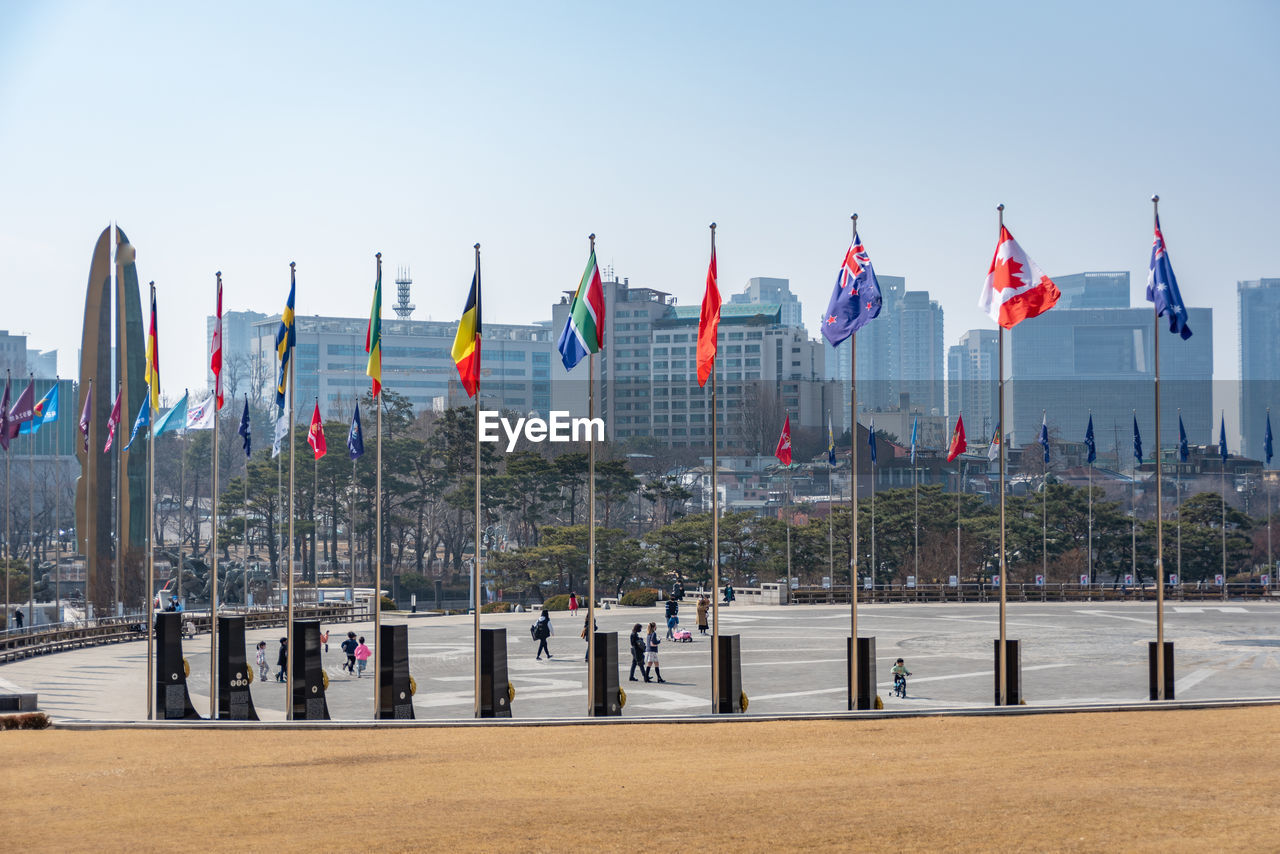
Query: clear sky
point(242, 136)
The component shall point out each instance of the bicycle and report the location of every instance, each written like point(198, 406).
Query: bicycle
point(900, 685)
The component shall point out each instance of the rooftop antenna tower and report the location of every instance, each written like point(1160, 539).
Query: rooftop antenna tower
point(403, 308)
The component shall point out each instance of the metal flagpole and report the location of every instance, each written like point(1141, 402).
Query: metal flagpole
point(1177, 485)
point(1155, 315)
point(31, 520)
point(8, 544)
point(151, 551)
point(1267, 488)
point(1044, 517)
point(1223, 490)
point(853, 510)
point(122, 489)
point(377, 537)
point(213, 548)
point(288, 668)
point(591, 528)
point(915, 493)
point(1001, 656)
point(351, 536)
point(1089, 558)
point(959, 492)
point(788, 531)
point(715, 531)
point(1133, 513)
point(475, 566)
point(315, 524)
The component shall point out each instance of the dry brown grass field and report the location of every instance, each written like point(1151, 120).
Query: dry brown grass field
point(1204, 780)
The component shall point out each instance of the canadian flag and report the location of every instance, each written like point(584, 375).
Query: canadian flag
point(1015, 288)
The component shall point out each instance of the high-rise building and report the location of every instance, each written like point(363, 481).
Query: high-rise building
point(13, 353)
point(879, 351)
point(921, 352)
point(238, 368)
point(1073, 362)
point(1093, 290)
point(515, 370)
point(1259, 306)
point(768, 291)
point(973, 381)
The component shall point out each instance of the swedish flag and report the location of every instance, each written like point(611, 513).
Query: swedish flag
point(286, 337)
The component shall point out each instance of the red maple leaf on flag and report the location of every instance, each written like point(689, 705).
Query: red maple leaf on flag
point(1008, 274)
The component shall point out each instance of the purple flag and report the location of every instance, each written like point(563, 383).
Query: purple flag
point(23, 409)
point(4, 416)
point(85, 416)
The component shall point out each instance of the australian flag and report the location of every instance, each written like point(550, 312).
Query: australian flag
point(1162, 288)
point(856, 297)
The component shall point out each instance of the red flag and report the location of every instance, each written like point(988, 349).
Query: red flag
point(958, 444)
point(709, 322)
point(215, 357)
point(113, 421)
point(1016, 289)
point(315, 435)
point(783, 451)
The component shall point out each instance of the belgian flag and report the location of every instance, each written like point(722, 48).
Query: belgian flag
point(466, 344)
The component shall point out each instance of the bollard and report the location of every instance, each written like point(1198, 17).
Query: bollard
point(309, 702)
point(173, 701)
point(495, 701)
point(1013, 672)
point(866, 673)
point(1168, 669)
point(235, 703)
point(395, 695)
point(606, 700)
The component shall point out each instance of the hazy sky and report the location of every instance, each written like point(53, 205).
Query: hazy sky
point(242, 136)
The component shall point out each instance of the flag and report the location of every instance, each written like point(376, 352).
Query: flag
point(174, 419)
point(153, 356)
point(1016, 289)
point(1162, 287)
point(200, 416)
point(4, 416)
point(113, 421)
point(783, 451)
point(86, 417)
point(1137, 440)
point(355, 436)
point(831, 443)
point(373, 335)
point(1184, 452)
point(44, 412)
point(958, 444)
point(286, 337)
point(993, 450)
point(1266, 439)
point(466, 344)
point(279, 434)
point(215, 355)
point(1044, 435)
point(23, 409)
point(1090, 444)
point(1222, 439)
point(245, 429)
point(709, 322)
point(871, 439)
point(143, 420)
point(915, 424)
point(315, 434)
point(583, 331)
point(855, 300)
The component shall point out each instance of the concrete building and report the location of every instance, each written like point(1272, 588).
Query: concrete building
point(767, 291)
point(1259, 307)
point(1093, 290)
point(973, 382)
point(13, 353)
point(238, 376)
point(416, 362)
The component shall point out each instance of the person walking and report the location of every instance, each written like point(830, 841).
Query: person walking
point(651, 652)
point(673, 617)
point(586, 656)
point(637, 654)
point(542, 631)
point(349, 647)
point(260, 657)
point(324, 639)
point(573, 604)
point(282, 660)
point(703, 606)
point(17, 617)
point(363, 654)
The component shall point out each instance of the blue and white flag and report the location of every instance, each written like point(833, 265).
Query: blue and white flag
point(1162, 287)
point(915, 422)
point(143, 420)
point(200, 416)
point(281, 431)
point(1184, 450)
point(355, 436)
point(1044, 434)
point(1222, 439)
point(1137, 440)
point(45, 412)
point(174, 419)
point(855, 300)
point(1089, 443)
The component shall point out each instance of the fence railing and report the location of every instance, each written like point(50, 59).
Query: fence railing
point(1033, 593)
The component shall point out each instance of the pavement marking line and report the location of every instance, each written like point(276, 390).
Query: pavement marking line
point(987, 673)
point(1093, 612)
point(1200, 609)
point(1191, 679)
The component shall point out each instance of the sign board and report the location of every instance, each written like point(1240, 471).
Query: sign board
point(1039, 581)
point(995, 580)
point(1217, 579)
point(866, 583)
point(1266, 580)
point(1128, 578)
point(1173, 579)
point(953, 581)
point(1084, 580)
point(413, 599)
point(911, 581)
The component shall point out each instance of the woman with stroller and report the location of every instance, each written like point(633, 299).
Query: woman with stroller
point(651, 652)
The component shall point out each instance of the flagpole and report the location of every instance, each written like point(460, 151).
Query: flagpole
point(377, 537)
point(1223, 489)
point(591, 526)
point(1267, 488)
point(151, 552)
point(1089, 558)
point(915, 491)
point(715, 528)
point(1044, 511)
point(853, 509)
point(1001, 652)
point(1177, 486)
point(213, 539)
point(31, 515)
point(90, 505)
point(8, 544)
point(788, 530)
point(475, 567)
point(1133, 512)
point(315, 523)
point(289, 664)
point(1155, 314)
point(122, 486)
point(959, 492)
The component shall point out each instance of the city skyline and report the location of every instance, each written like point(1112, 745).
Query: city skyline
point(323, 138)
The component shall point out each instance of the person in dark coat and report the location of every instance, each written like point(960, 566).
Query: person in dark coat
point(283, 658)
point(703, 606)
point(542, 631)
point(586, 656)
point(637, 654)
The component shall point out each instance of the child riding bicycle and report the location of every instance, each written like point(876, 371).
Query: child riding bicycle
point(900, 674)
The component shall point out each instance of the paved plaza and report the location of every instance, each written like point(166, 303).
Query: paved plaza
point(793, 660)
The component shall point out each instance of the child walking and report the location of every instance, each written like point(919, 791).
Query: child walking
point(362, 657)
point(261, 658)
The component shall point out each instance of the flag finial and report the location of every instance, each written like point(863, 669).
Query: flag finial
point(591, 236)
point(378, 255)
point(477, 247)
point(1155, 198)
point(292, 265)
point(219, 275)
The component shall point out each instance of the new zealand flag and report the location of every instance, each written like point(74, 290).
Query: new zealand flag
point(856, 297)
